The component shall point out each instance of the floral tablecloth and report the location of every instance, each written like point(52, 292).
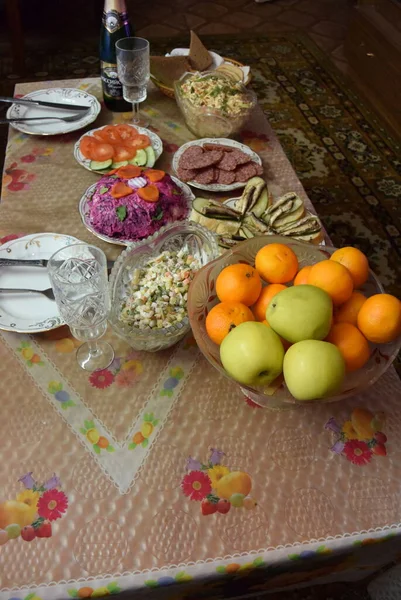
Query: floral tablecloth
point(111, 479)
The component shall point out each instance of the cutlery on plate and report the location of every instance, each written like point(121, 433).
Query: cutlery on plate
point(48, 293)
point(19, 120)
point(41, 262)
point(29, 102)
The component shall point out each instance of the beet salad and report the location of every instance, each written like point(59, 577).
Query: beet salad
point(131, 204)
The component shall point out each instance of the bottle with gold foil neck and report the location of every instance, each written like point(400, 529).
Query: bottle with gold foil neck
point(115, 25)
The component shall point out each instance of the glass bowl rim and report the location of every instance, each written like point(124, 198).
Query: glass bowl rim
point(184, 324)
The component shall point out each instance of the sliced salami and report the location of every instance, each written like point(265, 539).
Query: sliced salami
point(205, 176)
point(208, 147)
point(226, 177)
point(245, 172)
point(191, 152)
point(228, 162)
point(241, 157)
point(186, 174)
point(259, 169)
point(207, 159)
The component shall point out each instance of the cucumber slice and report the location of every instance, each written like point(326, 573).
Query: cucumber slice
point(151, 157)
point(117, 165)
point(97, 165)
point(140, 159)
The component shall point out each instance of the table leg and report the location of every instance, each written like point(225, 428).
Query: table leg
point(16, 34)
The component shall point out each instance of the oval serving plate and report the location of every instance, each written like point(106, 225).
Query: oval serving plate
point(25, 312)
point(84, 212)
point(63, 95)
point(155, 141)
point(216, 187)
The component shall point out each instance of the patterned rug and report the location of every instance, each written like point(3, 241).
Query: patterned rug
point(348, 163)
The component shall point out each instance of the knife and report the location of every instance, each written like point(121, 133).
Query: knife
point(42, 262)
point(27, 102)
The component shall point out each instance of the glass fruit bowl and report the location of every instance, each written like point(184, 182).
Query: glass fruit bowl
point(213, 118)
point(199, 242)
point(202, 297)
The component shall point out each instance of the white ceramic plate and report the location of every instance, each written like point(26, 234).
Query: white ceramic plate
point(84, 211)
point(231, 203)
point(216, 187)
point(63, 95)
point(30, 313)
point(156, 142)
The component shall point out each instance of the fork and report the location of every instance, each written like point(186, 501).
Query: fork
point(65, 119)
point(48, 293)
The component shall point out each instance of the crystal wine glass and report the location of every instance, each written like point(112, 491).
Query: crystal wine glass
point(78, 274)
point(134, 72)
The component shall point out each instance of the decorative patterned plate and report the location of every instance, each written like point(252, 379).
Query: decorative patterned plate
point(84, 211)
point(156, 142)
point(63, 95)
point(30, 313)
point(216, 187)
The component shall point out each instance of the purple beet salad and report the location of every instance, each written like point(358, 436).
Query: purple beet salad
point(130, 217)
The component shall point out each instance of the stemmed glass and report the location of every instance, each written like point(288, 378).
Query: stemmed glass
point(78, 274)
point(133, 69)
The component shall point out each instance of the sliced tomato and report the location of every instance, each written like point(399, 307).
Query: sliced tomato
point(87, 146)
point(102, 151)
point(122, 153)
point(119, 190)
point(126, 132)
point(139, 143)
point(129, 171)
point(110, 135)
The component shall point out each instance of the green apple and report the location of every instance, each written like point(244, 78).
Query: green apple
point(313, 369)
point(252, 354)
point(301, 312)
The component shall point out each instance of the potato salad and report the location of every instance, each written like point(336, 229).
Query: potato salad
point(158, 295)
point(216, 93)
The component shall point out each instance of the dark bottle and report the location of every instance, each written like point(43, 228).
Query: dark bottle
point(115, 25)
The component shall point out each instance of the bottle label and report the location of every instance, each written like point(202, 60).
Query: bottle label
point(113, 20)
point(112, 86)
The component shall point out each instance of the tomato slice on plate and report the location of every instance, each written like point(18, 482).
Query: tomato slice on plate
point(139, 143)
point(102, 151)
point(126, 132)
point(87, 146)
point(110, 135)
point(122, 153)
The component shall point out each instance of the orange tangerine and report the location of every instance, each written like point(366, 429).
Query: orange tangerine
point(261, 304)
point(380, 318)
point(356, 263)
point(238, 283)
point(348, 312)
point(302, 276)
point(333, 278)
point(276, 263)
point(351, 343)
point(223, 317)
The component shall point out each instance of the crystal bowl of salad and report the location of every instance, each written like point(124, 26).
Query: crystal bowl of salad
point(213, 105)
point(149, 285)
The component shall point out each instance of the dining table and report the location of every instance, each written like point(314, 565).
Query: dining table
point(106, 474)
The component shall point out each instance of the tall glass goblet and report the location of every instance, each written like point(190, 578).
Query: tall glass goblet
point(78, 274)
point(133, 69)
